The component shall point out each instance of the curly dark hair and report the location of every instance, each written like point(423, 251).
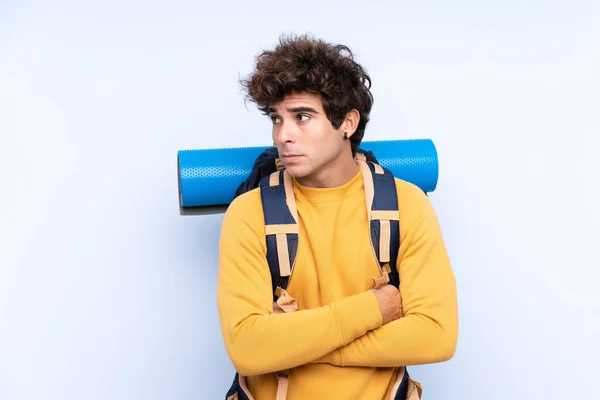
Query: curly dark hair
point(305, 64)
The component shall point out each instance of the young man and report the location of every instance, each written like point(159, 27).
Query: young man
point(340, 338)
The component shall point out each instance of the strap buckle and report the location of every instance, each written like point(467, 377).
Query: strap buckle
point(383, 279)
point(286, 302)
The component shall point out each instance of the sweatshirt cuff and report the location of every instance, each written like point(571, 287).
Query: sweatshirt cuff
point(358, 314)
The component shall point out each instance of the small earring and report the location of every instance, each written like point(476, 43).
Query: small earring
point(345, 135)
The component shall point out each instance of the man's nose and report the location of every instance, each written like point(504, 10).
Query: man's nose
point(286, 133)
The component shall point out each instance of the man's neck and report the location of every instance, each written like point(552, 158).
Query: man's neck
point(335, 174)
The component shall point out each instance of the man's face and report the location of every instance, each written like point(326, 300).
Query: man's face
point(308, 144)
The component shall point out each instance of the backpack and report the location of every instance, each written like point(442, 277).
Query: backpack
point(282, 229)
point(268, 174)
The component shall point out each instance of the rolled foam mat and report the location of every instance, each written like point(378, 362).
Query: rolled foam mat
point(210, 177)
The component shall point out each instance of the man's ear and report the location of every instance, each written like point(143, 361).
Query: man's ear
point(351, 121)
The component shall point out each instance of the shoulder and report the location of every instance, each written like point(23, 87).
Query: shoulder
point(245, 212)
point(247, 206)
point(410, 194)
point(413, 204)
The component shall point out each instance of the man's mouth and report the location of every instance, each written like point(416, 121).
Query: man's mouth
point(291, 157)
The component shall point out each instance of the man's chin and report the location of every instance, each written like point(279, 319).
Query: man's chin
point(296, 172)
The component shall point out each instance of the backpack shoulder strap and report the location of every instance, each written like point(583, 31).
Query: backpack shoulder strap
point(281, 229)
point(382, 209)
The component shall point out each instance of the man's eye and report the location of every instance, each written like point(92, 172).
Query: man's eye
point(275, 120)
point(303, 117)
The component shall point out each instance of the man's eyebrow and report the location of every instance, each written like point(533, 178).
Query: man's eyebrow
point(298, 109)
point(302, 109)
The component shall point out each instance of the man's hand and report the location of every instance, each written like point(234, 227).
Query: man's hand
point(388, 298)
point(390, 303)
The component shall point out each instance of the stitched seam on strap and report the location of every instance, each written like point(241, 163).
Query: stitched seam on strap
point(283, 255)
point(275, 229)
point(392, 215)
point(384, 241)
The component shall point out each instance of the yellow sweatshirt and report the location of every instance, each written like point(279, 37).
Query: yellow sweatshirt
point(335, 344)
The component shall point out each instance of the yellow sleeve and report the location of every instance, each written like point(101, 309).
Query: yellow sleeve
point(257, 340)
point(428, 331)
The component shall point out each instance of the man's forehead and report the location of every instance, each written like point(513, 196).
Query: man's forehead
point(297, 100)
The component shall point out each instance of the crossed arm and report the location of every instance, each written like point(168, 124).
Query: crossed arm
point(348, 332)
point(427, 332)
point(259, 341)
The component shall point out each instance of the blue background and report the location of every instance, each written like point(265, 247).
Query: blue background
point(106, 292)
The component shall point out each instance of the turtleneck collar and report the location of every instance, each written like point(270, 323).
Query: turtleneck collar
point(337, 193)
